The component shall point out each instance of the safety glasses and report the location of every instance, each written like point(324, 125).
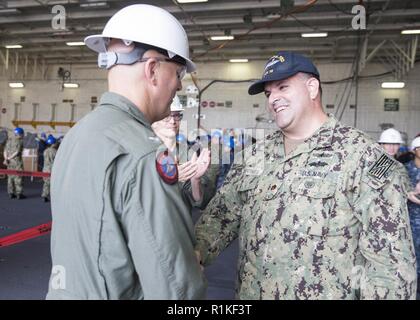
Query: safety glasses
point(177, 116)
point(180, 72)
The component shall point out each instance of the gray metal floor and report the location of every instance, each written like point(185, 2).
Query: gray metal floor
point(25, 267)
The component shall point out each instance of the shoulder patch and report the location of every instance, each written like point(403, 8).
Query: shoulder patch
point(382, 167)
point(166, 167)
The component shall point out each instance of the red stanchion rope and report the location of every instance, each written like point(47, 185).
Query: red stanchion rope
point(31, 232)
point(25, 173)
point(25, 234)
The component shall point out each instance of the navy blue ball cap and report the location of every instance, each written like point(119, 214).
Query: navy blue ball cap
point(281, 66)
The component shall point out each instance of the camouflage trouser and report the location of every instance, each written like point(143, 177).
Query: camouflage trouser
point(14, 185)
point(415, 229)
point(46, 188)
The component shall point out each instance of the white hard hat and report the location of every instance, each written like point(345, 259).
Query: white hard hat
point(415, 143)
point(176, 104)
point(390, 136)
point(145, 24)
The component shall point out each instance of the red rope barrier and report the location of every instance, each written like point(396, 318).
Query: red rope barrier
point(26, 234)
point(25, 173)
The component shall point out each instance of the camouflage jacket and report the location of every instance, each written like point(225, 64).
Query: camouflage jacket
point(49, 156)
point(12, 145)
point(327, 221)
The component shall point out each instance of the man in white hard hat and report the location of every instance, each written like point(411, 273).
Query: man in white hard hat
point(196, 179)
point(391, 141)
point(120, 227)
point(413, 169)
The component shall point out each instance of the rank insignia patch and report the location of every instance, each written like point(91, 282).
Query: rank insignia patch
point(381, 168)
point(166, 167)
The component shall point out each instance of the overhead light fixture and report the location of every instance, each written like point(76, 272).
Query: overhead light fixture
point(190, 1)
point(238, 60)
point(315, 35)
point(75, 44)
point(411, 31)
point(10, 11)
point(13, 46)
point(93, 5)
point(70, 85)
point(393, 85)
point(16, 85)
point(218, 38)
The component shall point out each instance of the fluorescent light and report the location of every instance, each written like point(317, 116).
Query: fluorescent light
point(10, 11)
point(190, 1)
point(315, 35)
point(238, 60)
point(15, 85)
point(411, 31)
point(94, 5)
point(71, 85)
point(13, 46)
point(217, 38)
point(393, 85)
point(73, 44)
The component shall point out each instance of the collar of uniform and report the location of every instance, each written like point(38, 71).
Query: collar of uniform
point(121, 102)
point(320, 139)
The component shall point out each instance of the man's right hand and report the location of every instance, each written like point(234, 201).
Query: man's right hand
point(198, 256)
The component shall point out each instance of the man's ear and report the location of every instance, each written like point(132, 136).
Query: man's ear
point(151, 70)
point(313, 87)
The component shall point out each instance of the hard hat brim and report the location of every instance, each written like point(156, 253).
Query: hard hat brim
point(97, 43)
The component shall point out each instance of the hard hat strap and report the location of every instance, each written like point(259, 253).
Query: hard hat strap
point(108, 59)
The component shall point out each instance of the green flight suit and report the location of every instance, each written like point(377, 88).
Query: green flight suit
point(119, 231)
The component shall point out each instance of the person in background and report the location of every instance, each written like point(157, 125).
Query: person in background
point(13, 160)
point(49, 156)
point(413, 169)
point(42, 145)
point(391, 141)
point(196, 176)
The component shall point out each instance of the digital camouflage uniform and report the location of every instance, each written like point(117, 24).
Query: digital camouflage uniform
point(14, 183)
point(49, 155)
point(414, 211)
point(327, 221)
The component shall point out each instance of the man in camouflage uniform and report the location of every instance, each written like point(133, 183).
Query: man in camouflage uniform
point(49, 156)
point(319, 208)
point(413, 168)
point(13, 160)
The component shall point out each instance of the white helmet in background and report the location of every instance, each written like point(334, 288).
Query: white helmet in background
point(390, 136)
point(176, 104)
point(145, 24)
point(415, 143)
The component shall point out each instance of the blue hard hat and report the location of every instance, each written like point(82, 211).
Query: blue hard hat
point(229, 141)
point(19, 131)
point(51, 139)
point(180, 138)
point(282, 66)
point(217, 134)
